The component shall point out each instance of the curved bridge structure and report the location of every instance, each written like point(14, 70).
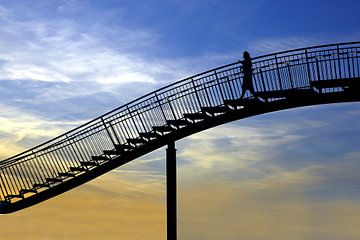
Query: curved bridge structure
point(301, 77)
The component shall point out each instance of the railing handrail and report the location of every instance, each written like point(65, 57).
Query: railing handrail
point(129, 104)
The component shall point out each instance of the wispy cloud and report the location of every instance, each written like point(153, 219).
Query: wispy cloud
point(270, 45)
point(20, 130)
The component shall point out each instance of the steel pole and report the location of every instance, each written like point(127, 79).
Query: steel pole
point(171, 192)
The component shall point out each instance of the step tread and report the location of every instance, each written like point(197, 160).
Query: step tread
point(178, 122)
point(14, 196)
point(23, 191)
point(195, 116)
point(99, 158)
point(244, 102)
point(149, 135)
point(333, 83)
point(112, 152)
point(288, 93)
point(89, 163)
point(136, 140)
point(122, 147)
point(77, 169)
point(66, 174)
point(36, 185)
point(53, 179)
point(215, 109)
point(162, 129)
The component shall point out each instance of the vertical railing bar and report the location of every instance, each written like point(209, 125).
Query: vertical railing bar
point(124, 128)
point(159, 104)
point(16, 179)
point(113, 130)
point(31, 173)
point(278, 72)
point(7, 185)
point(49, 165)
point(25, 175)
point(63, 157)
point(171, 108)
point(308, 66)
point(218, 84)
point(42, 168)
point(19, 178)
point(348, 63)
point(196, 92)
point(34, 166)
point(339, 63)
point(141, 121)
point(290, 77)
point(72, 143)
point(62, 160)
point(3, 187)
point(262, 80)
point(13, 189)
point(80, 152)
point(230, 88)
point(107, 130)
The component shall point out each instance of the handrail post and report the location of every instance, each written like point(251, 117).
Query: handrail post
point(290, 77)
point(196, 93)
point(171, 198)
point(339, 60)
point(107, 131)
point(308, 66)
point(161, 108)
point(3, 187)
point(278, 72)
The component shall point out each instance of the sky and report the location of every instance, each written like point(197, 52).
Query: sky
point(293, 174)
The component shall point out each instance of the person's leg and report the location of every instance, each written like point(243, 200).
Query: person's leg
point(243, 90)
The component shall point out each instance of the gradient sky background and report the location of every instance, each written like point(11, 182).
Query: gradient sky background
point(292, 174)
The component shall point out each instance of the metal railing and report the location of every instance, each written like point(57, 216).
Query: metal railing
point(295, 69)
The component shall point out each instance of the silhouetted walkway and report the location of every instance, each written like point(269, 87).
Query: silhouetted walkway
point(300, 77)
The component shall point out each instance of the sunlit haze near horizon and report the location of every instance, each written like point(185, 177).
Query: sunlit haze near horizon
point(292, 174)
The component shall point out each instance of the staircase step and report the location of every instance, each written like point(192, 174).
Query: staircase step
point(163, 129)
point(178, 122)
point(123, 147)
point(333, 83)
point(14, 196)
point(275, 93)
point(216, 109)
point(53, 179)
point(112, 152)
point(233, 102)
point(77, 169)
point(41, 185)
point(89, 164)
point(99, 158)
point(288, 93)
point(242, 102)
point(195, 116)
point(136, 141)
point(24, 191)
point(149, 135)
point(66, 174)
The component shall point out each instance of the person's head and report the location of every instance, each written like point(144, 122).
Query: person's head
point(246, 55)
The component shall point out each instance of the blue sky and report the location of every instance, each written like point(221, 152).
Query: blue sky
point(287, 175)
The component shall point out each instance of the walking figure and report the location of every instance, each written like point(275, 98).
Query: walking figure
point(247, 70)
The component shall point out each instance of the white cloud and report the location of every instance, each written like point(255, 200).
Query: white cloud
point(20, 130)
point(270, 45)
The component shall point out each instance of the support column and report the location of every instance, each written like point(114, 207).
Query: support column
point(171, 192)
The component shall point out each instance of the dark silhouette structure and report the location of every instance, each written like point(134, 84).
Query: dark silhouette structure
point(247, 79)
point(300, 77)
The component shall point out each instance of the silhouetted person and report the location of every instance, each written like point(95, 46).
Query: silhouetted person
point(247, 81)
